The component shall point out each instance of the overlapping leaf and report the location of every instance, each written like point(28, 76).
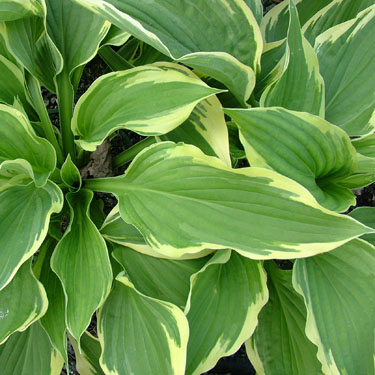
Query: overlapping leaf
point(275, 22)
point(24, 216)
point(29, 353)
point(53, 321)
point(22, 302)
point(131, 324)
point(346, 57)
point(336, 12)
point(82, 264)
point(225, 299)
point(279, 344)
point(164, 279)
point(15, 9)
point(149, 100)
point(301, 146)
point(300, 86)
point(338, 289)
point(19, 141)
point(365, 215)
point(226, 45)
point(207, 205)
point(205, 127)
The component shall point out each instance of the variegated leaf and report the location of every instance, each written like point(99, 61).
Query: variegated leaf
point(338, 289)
point(22, 302)
point(255, 211)
point(24, 216)
point(225, 47)
point(81, 262)
point(279, 344)
point(30, 353)
point(346, 57)
point(15, 9)
point(130, 324)
point(149, 100)
point(300, 86)
point(225, 299)
point(306, 148)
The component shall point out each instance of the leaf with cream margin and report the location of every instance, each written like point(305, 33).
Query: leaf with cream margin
point(130, 324)
point(275, 23)
point(279, 344)
point(30, 44)
point(30, 353)
point(309, 150)
point(87, 356)
point(12, 85)
point(183, 201)
point(70, 174)
point(117, 231)
point(22, 302)
point(53, 321)
point(365, 215)
point(19, 141)
point(334, 13)
point(81, 262)
point(300, 87)
point(148, 100)
point(164, 279)
point(11, 10)
point(346, 57)
point(75, 31)
point(256, 7)
point(365, 145)
point(225, 299)
point(25, 211)
point(338, 289)
point(205, 127)
point(227, 45)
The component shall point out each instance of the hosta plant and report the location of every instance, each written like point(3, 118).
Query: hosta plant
point(256, 132)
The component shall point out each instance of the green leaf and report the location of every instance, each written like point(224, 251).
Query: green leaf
point(24, 216)
point(53, 321)
point(81, 262)
point(279, 344)
point(309, 150)
point(346, 56)
point(115, 37)
point(300, 86)
point(22, 302)
point(19, 141)
point(275, 23)
point(229, 39)
point(29, 43)
point(365, 145)
point(183, 201)
point(70, 174)
point(365, 215)
point(12, 85)
point(205, 127)
point(131, 324)
point(257, 9)
point(29, 353)
point(164, 279)
point(88, 359)
point(75, 31)
point(14, 9)
point(116, 230)
point(149, 100)
point(225, 299)
point(338, 289)
point(336, 12)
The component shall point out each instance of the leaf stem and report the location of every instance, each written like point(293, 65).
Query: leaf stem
point(131, 152)
point(113, 59)
point(65, 96)
point(49, 132)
